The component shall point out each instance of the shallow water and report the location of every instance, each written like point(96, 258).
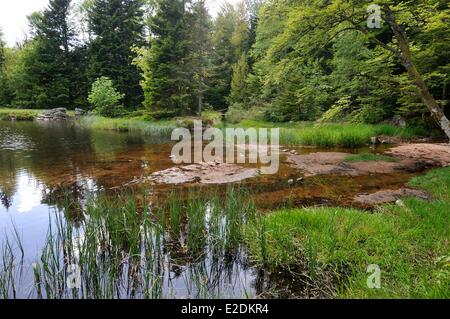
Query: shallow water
point(38, 161)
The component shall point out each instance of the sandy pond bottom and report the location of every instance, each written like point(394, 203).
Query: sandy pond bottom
point(40, 162)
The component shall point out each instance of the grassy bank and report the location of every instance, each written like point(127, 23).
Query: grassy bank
point(156, 128)
point(18, 114)
point(409, 242)
point(22, 114)
point(291, 134)
point(333, 135)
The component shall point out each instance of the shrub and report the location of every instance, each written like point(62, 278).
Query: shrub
point(237, 112)
point(105, 99)
point(162, 114)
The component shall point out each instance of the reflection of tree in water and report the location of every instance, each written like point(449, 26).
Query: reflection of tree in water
point(69, 199)
point(8, 175)
point(6, 200)
point(58, 155)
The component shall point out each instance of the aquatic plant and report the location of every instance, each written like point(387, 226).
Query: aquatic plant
point(126, 248)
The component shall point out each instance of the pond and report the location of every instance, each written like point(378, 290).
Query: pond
point(42, 162)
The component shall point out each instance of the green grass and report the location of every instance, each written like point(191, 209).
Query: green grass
point(368, 157)
point(154, 128)
point(22, 114)
point(409, 243)
point(331, 135)
point(18, 114)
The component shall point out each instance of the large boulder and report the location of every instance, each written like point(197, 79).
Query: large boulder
point(58, 114)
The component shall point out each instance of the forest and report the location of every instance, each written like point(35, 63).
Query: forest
point(276, 60)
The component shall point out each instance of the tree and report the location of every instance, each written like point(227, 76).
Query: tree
point(54, 41)
point(116, 26)
point(201, 49)
point(105, 99)
point(5, 90)
point(167, 81)
point(322, 23)
point(238, 92)
point(230, 41)
point(363, 78)
point(49, 72)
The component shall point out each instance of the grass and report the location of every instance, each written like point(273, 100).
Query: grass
point(369, 157)
point(343, 135)
point(123, 248)
point(409, 242)
point(18, 114)
point(331, 135)
point(22, 114)
point(151, 128)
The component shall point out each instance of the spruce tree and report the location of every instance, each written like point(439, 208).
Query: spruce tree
point(116, 26)
point(201, 51)
point(5, 94)
point(168, 73)
point(52, 67)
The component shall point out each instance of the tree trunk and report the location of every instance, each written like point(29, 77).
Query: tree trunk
point(406, 57)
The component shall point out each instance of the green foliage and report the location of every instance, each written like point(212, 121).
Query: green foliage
point(285, 59)
point(238, 112)
point(166, 82)
point(162, 114)
point(238, 92)
point(230, 41)
point(117, 27)
point(48, 71)
point(105, 99)
point(5, 90)
point(159, 129)
point(319, 60)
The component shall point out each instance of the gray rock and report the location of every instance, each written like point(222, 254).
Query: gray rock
point(58, 114)
point(79, 112)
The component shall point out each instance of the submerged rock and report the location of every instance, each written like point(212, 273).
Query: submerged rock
point(390, 196)
point(430, 154)
point(411, 158)
point(203, 173)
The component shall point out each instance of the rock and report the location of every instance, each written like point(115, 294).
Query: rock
point(79, 112)
point(59, 114)
point(327, 163)
point(203, 173)
point(429, 154)
point(390, 196)
point(291, 182)
point(375, 140)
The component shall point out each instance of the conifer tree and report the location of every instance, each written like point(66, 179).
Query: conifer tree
point(116, 26)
